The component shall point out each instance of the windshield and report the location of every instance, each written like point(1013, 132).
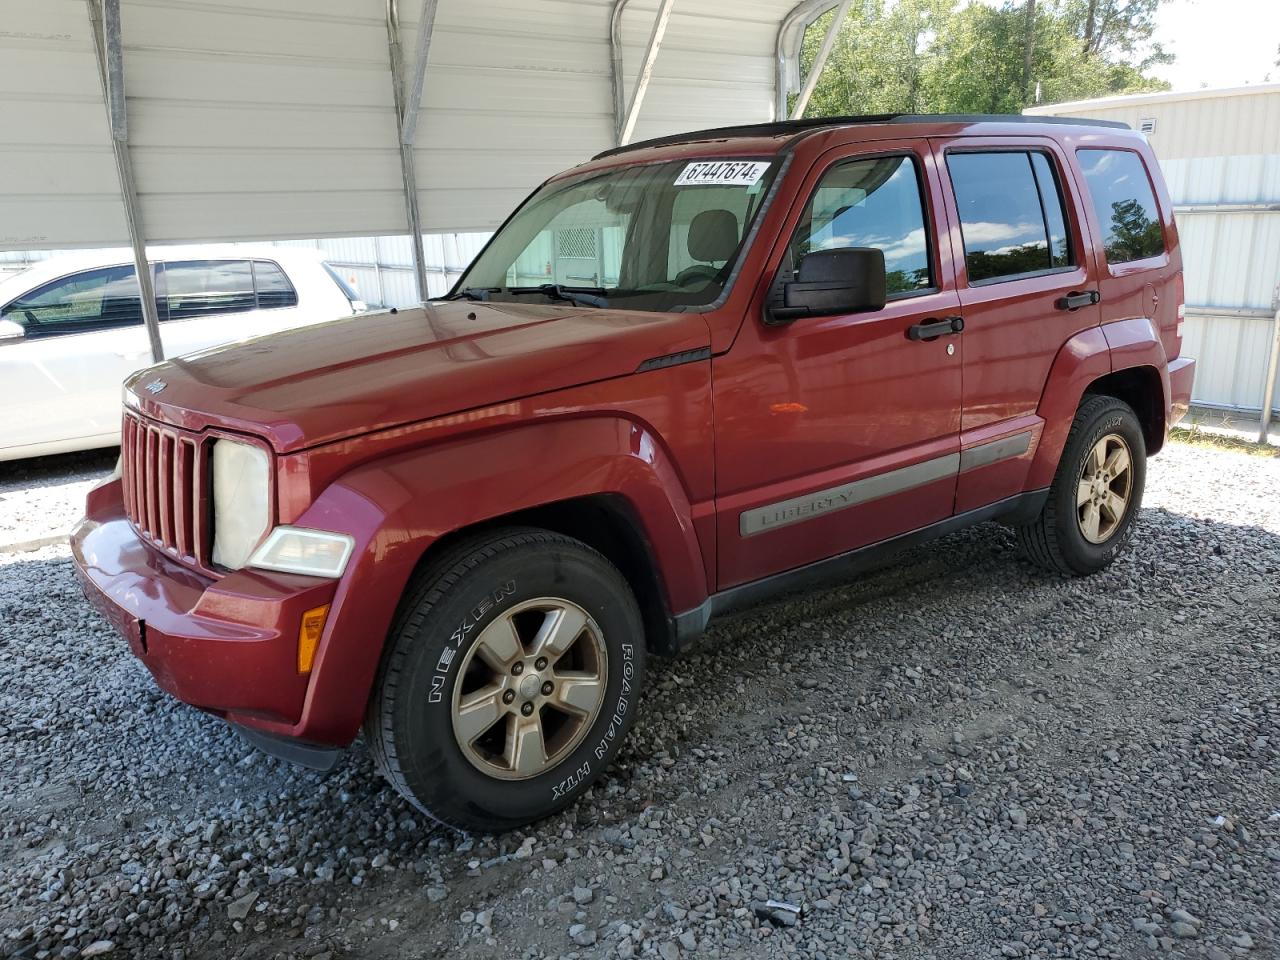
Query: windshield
point(659, 236)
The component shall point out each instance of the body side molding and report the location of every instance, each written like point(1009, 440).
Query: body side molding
point(690, 625)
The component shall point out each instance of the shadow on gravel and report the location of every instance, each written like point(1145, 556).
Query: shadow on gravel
point(60, 468)
point(951, 756)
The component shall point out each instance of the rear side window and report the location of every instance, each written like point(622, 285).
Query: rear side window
point(194, 288)
point(272, 286)
point(871, 202)
point(1011, 214)
point(92, 300)
point(1125, 204)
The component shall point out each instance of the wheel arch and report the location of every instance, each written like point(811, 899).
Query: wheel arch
point(606, 522)
point(619, 492)
point(1124, 359)
point(1141, 389)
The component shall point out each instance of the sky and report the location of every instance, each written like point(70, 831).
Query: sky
point(1219, 43)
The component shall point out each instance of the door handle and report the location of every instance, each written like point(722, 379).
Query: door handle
point(1074, 301)
point(932, 329)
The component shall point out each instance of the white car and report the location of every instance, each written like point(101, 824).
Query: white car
point(71, 329)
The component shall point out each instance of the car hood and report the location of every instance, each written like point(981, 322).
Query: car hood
point(374, 371)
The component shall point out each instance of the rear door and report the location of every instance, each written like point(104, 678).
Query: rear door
point(1026, 286)
point(835, 432)
point(203, 303)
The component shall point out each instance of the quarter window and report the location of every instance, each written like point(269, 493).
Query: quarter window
point(1011, 214)
point(92, 300)
point(872, 202)
point(273, 287)
point(1125, 204)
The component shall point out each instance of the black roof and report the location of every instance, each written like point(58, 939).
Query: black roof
point(780, 128)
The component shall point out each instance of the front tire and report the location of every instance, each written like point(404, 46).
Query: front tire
point(1096, 493)
point(511, 678)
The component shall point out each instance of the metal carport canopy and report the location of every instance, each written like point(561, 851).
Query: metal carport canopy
point(277, 119)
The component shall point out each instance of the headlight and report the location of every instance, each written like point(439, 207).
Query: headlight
point(313, 552)
point(241, 501)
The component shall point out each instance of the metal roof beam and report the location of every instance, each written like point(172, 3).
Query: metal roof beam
point(104, 18)
point(627, 124)
point(426, 25)
point(815, 69)
point(408, 176)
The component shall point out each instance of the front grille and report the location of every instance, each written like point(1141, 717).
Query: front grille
point(161, 470)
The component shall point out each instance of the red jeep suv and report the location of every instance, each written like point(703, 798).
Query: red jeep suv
point(682, 377)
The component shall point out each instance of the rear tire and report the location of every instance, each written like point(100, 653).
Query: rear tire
point(1095, 495)
point(511, 678)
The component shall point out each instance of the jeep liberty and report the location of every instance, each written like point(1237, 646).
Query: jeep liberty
point(683, 377)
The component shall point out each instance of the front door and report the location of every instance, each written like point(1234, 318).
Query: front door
point(62, 381)
point(839, 431)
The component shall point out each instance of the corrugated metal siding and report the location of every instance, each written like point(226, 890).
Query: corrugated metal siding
point(257, 121)
point(1196, 124)
point(1218, 149)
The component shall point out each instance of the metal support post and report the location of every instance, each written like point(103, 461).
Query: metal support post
point(104, 20)
point(824, 51)
point(627, 123)
point(406, 125)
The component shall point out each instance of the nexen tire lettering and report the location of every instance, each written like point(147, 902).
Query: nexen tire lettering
point(460, 634)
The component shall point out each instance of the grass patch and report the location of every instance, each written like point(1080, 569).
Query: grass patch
point(1197, 436)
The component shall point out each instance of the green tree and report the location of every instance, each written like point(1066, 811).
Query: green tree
point(951, 56)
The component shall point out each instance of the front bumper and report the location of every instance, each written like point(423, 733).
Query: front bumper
point(228, 645)
point(1182, 374)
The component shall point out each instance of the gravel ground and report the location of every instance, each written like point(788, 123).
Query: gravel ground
point(957, 756)
point(41, 499)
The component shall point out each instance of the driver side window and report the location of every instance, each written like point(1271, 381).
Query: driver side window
point(872, 202)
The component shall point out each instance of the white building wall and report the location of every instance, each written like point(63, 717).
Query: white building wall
point(1220, 153)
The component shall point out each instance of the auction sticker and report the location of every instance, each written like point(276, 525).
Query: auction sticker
point(724, 173)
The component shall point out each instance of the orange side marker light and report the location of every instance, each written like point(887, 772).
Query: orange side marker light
point(309, 636)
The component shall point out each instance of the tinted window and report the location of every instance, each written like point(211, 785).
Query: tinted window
point(1125, 204)
point(1051, 203)
point(1011, 214)
point(272, 286)
point(193, 288)
point(870, 203)
point(94, 299)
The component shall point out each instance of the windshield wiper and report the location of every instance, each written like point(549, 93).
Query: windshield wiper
point(474, 293)
point(575, 295)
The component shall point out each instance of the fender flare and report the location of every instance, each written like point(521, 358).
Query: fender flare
point(398, 507)
point(1086, 358)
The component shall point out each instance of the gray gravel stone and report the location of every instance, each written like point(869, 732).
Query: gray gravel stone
point(1038, 767)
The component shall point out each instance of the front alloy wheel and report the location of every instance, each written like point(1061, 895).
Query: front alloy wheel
point(530, 688)
point(510, 679)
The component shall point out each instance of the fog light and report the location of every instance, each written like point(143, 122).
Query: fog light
point(309, 636)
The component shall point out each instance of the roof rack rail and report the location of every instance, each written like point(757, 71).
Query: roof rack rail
point(780, 128)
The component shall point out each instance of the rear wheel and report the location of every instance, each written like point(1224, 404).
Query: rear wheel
point(1096, 493)
point(511, 679)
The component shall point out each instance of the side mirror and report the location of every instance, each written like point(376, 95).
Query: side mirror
point(846, 280)
point(11, 332)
